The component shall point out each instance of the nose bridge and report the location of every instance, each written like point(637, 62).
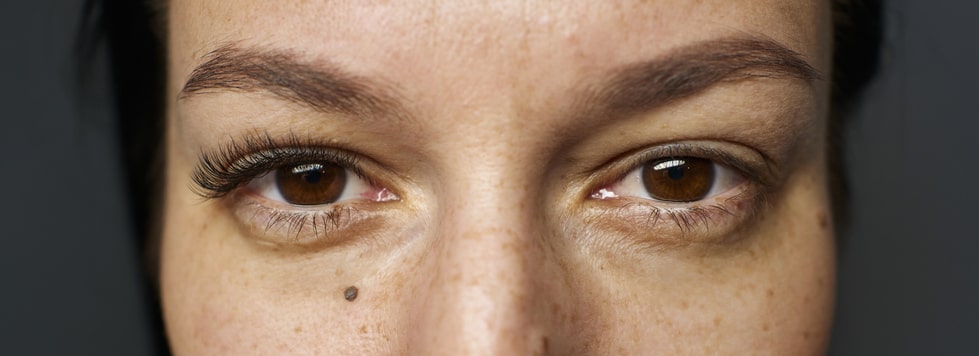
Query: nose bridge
point(486, 253)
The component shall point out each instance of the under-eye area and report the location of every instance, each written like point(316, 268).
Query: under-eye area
point(294, 191)
point(679, 193)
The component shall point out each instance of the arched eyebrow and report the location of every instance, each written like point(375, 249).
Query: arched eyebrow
point(635, 88)
point(321, 86)
point(692, 69)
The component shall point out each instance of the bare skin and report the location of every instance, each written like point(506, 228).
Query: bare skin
point(494, 218)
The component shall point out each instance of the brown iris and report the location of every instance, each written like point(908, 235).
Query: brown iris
point(679, 179)
point(311, 183)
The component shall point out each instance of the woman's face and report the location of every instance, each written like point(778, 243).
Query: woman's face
point(553, 177)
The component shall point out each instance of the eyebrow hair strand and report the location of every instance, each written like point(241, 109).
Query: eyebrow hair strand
point(692, 69)
point(322, 86)
point(635, 88)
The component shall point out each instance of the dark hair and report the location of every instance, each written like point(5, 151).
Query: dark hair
point(857, 39)
point(130, 33)
point(126, 30)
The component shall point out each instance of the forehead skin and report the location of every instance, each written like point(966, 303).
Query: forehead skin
point(491, 79)
point(412, 42)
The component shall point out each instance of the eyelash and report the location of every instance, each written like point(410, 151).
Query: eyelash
point(688, 216)
point(222, 172)
point(239, 162)
point(685, 150)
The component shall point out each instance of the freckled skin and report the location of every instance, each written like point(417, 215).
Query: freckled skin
point(488, 252)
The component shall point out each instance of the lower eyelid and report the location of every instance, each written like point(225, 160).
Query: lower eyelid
point(655, 223)
point(275, 224)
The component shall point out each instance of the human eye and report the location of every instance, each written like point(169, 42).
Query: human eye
point(293, 191)
point(315, 182)
point(675, 179)
point(704, 191)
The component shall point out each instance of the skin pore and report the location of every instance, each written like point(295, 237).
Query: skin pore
point(493, 151)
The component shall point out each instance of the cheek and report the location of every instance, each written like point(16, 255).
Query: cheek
point(223, 293)
point(772, 291)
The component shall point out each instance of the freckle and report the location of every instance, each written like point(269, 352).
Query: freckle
point(805, 335)
point(684, 305)
point(823, 221)
point(717, 321)
point(544, 344)
point(298, 329)
point(363, 329)
point(337, 272)
point(764, 327)
point(350, 294)
point(771, 293)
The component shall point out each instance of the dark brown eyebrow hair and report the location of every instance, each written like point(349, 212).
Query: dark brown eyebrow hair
point(635, 88)
point(692, 69)
point(322, 86)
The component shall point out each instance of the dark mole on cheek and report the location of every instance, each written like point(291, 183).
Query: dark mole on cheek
point(350, 294)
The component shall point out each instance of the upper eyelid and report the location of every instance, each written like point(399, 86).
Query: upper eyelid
point(221, 171)
point(215, 182)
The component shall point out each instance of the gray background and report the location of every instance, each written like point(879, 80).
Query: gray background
point(908, 286)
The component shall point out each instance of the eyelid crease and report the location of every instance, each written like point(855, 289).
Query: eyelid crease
point(220, 172)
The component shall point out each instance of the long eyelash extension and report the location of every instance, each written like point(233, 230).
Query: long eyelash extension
point(219, 173)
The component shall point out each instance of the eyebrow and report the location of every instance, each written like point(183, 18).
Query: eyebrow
point(322, 86)
point(695, 68)
point(634, 88)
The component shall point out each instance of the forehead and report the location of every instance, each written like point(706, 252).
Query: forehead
point(498, 40)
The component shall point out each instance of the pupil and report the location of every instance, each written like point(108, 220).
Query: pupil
point(678, 179)
point(311, 183)
point(675, 173)
point(312, 177)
